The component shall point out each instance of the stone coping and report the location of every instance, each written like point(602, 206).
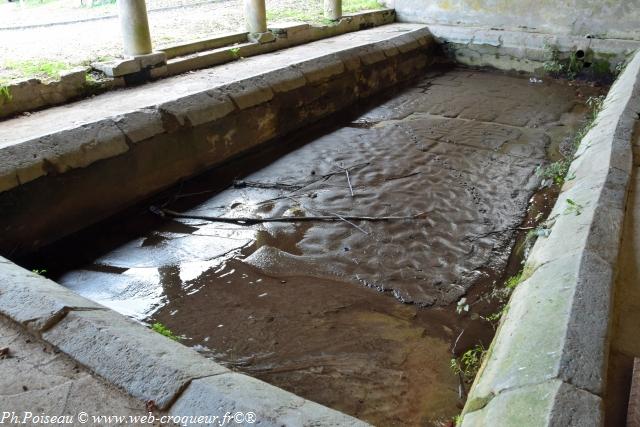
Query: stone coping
point(144, 363)
point(547, 363)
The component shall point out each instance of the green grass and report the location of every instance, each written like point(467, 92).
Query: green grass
point(163, 330)
point(313, 12)
point(36, 68)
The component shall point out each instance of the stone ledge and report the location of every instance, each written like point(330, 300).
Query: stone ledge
point(562, 311)
point(552, 403)
point(142, 362)
point(280, 37)
point(29, 94)
point(35, 302)
point(272, 406)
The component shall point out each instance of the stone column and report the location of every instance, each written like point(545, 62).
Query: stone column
point(135, 27)
point(255, 14)
point(333, 9)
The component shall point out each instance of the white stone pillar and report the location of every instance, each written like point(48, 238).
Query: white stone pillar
point(333, 9)
point(135, 27)
point(255, 14)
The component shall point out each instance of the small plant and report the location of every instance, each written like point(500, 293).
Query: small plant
point(457, 420)
point(513, 281)
point(555, 171)
point(5, 94)
point(163, 330)
point(573, 207)
point(235, 52)
point(39, 272)
point(494, 318)
point(469, 363)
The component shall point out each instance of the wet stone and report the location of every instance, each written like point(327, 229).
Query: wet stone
point(355, 315)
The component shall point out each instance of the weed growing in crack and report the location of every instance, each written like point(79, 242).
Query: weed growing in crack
point(163, 330)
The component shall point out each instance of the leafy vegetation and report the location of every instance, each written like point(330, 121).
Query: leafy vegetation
point(163, 330)
point(5, 94)
point(573, 207)
point(469, 363)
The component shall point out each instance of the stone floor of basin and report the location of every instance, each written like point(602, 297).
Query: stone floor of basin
point(357, 315)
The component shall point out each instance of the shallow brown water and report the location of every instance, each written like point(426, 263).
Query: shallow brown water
point(317, 308)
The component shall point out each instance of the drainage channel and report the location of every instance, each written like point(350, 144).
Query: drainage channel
point(363, 315)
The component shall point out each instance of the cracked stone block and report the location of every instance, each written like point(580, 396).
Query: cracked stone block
point(370, 55)
point(152, 60)
point(233, 392)
point(8, 180)
point(551, 403)
point(321, 69)
point(555, 327)
point(285, 80)
point(144, 363)
point(140, 124)
point(199, 108)
point(118, 68)
point(36, 302)
point(249, 92)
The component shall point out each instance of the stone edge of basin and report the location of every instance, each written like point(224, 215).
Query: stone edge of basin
point(152, 148)
point(521, 50)
point(145, 364)
point(547, 363)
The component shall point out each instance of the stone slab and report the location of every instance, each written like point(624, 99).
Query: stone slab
point(551, 403)
point(36, 302)
point(271, 406)
point(144, 363)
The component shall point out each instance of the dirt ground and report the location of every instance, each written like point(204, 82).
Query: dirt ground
point(59, 34)
point(357, 315)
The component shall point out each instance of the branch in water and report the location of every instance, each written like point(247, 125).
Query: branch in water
point(251, 221)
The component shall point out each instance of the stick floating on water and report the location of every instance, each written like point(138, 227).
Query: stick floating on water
point(251, 221)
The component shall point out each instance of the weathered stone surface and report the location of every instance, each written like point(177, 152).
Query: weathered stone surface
point(152, 59)
point(555, 327)
point(285, 79)
point(61, 151)
point(551, 403)
point(142, 362)
point(141, 124)
point(38, 379)
point(206, 44)
point(34, 301)
point(199, 108)
point(249, 92)
point(233, 392)
point(118, 68)
point(321, 69)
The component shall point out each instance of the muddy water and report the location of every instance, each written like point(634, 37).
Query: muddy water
point(356, 315)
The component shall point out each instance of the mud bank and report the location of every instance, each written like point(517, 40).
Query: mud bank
point(316, 307)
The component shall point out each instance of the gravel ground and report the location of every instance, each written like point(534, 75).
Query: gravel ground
point(33, 37)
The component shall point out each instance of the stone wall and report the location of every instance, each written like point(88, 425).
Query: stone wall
point(599, 18)
point(81, 175)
